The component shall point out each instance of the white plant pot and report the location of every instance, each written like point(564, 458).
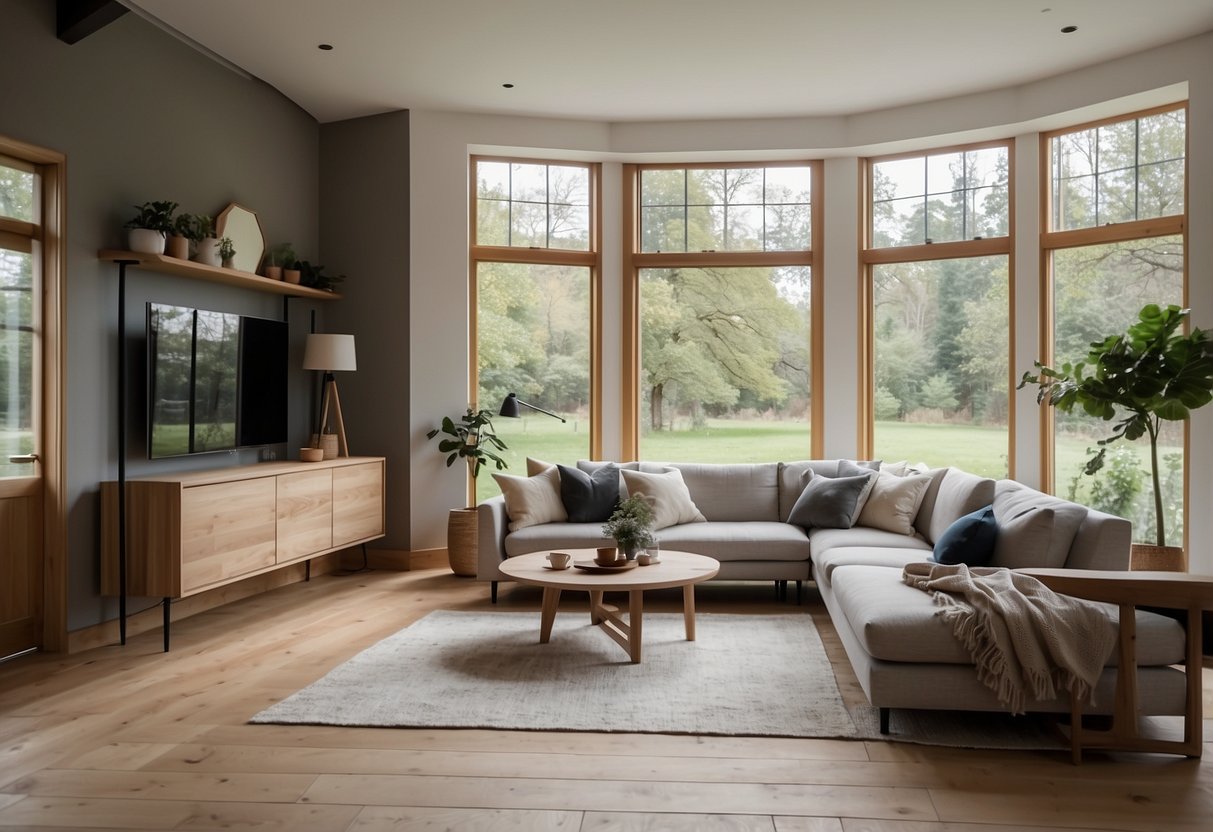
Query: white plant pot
point(208, 251)
point(145, 241)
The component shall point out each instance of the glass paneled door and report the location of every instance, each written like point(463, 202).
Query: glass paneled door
point(21, 484)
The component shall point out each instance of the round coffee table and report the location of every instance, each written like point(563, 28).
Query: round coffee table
point(674, 569)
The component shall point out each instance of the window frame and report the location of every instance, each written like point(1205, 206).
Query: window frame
point(591, 259)
point(634, 260)
point(1050, 241)
point(869, 257)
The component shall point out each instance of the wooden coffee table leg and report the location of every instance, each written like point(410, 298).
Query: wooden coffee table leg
point(688, 610)
point(551, 600)
point(635, 616)
point(595, 606)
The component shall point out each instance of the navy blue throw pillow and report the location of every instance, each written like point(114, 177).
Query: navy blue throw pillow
point(589, 498)
point(970, 540)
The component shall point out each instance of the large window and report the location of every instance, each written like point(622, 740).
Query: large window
point(1115, 242)
point(18, 312)
point(938, 263)
point(723, 315)
point(534, 273)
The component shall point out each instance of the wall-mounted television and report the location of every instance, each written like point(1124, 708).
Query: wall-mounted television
point(216, 381)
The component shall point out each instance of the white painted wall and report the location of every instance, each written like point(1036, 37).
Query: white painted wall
point(441, 142)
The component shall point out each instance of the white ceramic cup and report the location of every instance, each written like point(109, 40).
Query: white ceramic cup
point(560, 560)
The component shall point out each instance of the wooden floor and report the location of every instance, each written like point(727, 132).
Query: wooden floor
point(131, 738)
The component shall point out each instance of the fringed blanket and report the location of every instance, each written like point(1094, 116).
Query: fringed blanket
point(1025, 639)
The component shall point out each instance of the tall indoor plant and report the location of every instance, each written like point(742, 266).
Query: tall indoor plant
point(473, 440)
point(1151, 373)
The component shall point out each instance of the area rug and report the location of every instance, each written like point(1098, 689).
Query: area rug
point(745, 675)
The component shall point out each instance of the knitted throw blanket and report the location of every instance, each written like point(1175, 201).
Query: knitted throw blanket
point(1025, 639)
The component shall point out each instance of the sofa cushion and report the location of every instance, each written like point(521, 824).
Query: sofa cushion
point(899, 623)
point(1024, 540)
point(741, 491)
point(831, 502)
point(791, 480)
point(589, 498)
point(1011, 499)
point(592, 465)
point(970, 540)
point(952, 495)
point(532, 501)
point(823, 539)
point(738, 541)
point(556, 536)
point(672, 503)
point(894, 501)
point(889, 557)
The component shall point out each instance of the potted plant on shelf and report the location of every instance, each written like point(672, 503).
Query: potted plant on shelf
point(1149, 374)
point(631, 525)
point(178, 242)
point(315, 277)
point(227, 250)
point(150, 227)
point(283, 254)
point(206, 246)
point(473, 440)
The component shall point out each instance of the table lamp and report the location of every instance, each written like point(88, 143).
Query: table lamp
point(509, 408)
point(331, 354)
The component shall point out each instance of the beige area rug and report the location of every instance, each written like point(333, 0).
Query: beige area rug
point(745, 675)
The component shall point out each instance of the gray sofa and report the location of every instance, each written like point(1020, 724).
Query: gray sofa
point(903, 654)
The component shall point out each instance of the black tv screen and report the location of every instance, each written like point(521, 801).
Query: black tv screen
point(216, 381)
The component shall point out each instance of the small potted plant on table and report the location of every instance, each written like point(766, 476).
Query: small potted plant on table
point(631, 525)
point(1149, 374)
point(473, 440)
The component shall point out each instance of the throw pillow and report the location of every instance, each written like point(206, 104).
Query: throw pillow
point(532, 501)
point(852, 468)
point(831, 502)
point(894, 501)
point(970, 540)
point(672, 503)
point(1024, 540)
point(537, 466)
point(589, 498)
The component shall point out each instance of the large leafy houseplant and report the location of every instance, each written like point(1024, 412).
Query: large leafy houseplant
point(1149, 374)
point(471, 439)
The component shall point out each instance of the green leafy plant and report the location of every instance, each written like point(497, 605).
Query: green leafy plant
point(282, 254)
point(183, 225)
point(631, 524)
point(195, 227)
point(315, 277)
point(472, 439)
point(227, 249)
point(1149, 374)
point(156, 216)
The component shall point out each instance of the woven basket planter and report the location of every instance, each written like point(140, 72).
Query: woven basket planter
point(1145, 557)
point(461, 541)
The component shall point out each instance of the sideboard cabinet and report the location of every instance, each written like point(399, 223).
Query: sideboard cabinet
point(190, 532)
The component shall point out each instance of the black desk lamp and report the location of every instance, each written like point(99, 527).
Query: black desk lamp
point(509, 408)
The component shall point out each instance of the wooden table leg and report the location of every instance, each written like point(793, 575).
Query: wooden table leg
point(635, 615)
point(595, 606)
point(688, 610)
point(551, 600)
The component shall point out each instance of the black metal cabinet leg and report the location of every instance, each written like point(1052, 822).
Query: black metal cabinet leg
point(167, 618)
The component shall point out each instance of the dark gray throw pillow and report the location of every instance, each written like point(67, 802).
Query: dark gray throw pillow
point(832, 502)
point(969, 540)
point(589, 498)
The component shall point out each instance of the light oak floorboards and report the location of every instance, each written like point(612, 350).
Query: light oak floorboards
point(132, 738)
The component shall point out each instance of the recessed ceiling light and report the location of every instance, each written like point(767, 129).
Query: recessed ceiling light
point(327, 47)
point(508, 86)
point(1065, 30)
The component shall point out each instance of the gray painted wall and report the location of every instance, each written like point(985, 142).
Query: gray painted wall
point(141, 116)
point(364, 221)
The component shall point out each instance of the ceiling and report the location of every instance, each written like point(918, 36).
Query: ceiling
point(657, 60)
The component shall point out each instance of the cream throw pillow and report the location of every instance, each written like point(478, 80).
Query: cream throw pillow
point(537, 466)
point(893, 502)
point(532, 501)
point(668, 494)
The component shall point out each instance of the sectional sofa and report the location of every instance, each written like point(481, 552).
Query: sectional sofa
point(903, 654)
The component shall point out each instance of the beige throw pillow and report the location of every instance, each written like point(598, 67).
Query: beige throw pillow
point(532, 501)
point(537, 466)
point(668, 494)
point(893, 502)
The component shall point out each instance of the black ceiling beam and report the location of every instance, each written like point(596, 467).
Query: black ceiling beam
point(77, 19)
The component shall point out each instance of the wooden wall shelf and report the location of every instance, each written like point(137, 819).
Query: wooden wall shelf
point(200, 271)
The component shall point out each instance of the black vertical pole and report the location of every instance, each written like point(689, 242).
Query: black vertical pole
point(122, 264)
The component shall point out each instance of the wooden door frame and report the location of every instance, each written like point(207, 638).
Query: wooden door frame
point(52, 167)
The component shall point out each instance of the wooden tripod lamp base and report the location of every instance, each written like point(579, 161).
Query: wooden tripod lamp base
point(331, 353)
point(333, 400)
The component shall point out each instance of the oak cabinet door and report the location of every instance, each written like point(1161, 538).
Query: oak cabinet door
point(305, 513)
point(357, 502)
point(227, 529)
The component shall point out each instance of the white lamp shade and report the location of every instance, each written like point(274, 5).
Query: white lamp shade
point(330, 353)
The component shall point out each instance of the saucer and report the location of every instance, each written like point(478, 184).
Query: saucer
point(555, 568)
point(594, 566)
